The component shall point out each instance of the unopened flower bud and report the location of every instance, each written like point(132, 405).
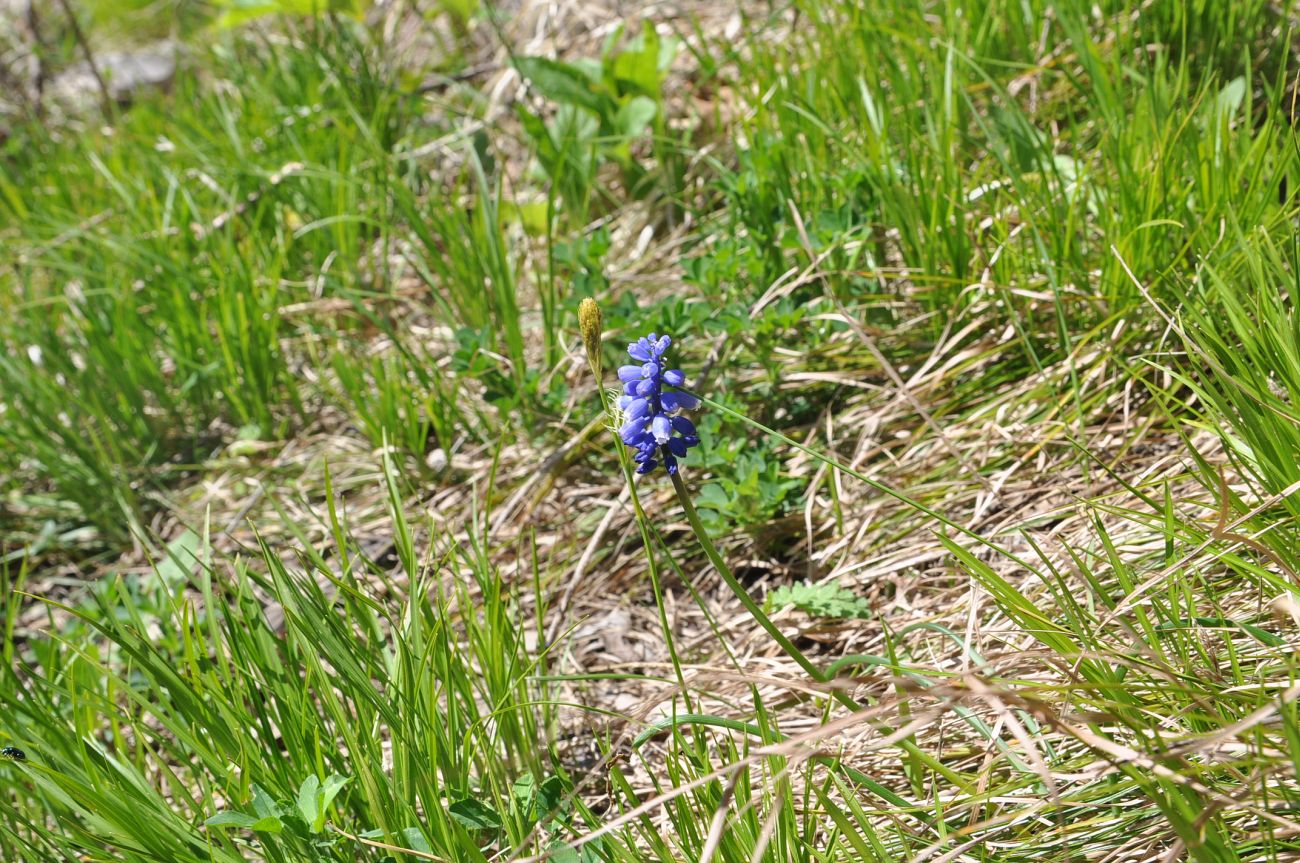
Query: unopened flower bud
point(589, 324)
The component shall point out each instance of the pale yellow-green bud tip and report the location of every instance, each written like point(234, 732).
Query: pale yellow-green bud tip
point(589, 324)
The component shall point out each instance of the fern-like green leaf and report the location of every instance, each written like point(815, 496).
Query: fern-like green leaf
point(820, 600)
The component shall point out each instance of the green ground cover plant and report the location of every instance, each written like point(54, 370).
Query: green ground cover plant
point(353, 509)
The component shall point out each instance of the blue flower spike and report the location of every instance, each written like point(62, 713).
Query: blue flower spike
point(652, 420)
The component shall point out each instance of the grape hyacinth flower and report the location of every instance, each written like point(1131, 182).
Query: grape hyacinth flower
point(653, 424)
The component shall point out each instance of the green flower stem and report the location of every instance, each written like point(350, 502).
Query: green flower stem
point(643, 522)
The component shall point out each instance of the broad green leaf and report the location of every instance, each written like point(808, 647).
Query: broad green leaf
point(269, 824)
point(333, 785)
point(231, 819)
point(309, 805)
point(636, 69)
point(475, 814)
point(536, 801)
point(562, 82)
point(635, 116)
point(263, 803)
point(713, 496)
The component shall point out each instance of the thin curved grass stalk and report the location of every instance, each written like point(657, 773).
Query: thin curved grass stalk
point(786, 645)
